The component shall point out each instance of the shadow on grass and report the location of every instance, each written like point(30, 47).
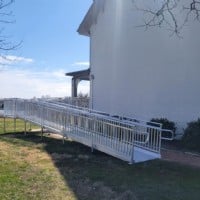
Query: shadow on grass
point(99, 176)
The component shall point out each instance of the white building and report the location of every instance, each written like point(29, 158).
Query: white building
point(138, 73)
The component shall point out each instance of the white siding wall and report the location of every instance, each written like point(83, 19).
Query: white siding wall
point(141, 73)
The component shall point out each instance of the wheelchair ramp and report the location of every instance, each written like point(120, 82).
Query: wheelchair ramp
point(128, 140)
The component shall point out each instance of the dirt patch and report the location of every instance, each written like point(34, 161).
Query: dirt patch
point(98, 189)
point(181, 157)
point(83, 157)
point(58, 157)
point(53, 135)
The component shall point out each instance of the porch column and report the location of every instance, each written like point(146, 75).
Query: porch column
point(75, 82)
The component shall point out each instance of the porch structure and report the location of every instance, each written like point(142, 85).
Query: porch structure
point(77, 76)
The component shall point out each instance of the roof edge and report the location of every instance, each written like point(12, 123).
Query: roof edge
point(84, 71)
point(84, 27)
point(91, 17)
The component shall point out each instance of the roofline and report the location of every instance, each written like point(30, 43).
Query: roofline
point(77, 73)
point(91, 17)
point(84, 27)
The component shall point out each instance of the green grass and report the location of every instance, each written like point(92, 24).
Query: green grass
point(31, 168)
point(10, 128)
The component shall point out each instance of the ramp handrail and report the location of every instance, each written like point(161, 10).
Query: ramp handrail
point(106, 133)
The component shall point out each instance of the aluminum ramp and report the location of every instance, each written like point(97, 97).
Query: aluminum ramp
point(127, 140)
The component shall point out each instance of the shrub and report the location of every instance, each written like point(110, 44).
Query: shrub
point(191, 137)
point(166, 124)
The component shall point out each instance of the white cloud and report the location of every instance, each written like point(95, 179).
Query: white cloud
point(11, 59)
point(59, 74)
point(83, 87)
point(2, 68)
point(84, 64)
point(28, 84)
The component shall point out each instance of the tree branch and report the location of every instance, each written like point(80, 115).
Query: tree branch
point(165, 14)
point(5, 44)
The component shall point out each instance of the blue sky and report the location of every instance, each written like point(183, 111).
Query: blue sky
point(51, 46)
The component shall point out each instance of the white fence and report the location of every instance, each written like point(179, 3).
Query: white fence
point(125, 139)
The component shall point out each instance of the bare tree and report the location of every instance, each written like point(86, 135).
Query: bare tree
point(164, 13)
point(6, 18)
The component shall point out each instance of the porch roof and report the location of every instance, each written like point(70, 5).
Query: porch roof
point(82, 74)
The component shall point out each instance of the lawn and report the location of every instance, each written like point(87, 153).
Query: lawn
point(31, 168)
point(10, 126)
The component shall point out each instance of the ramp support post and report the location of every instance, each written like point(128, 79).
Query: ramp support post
point(14, 124)
point(63, 139)
point(42, 132)
point(25, 127)
point(4, 124)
